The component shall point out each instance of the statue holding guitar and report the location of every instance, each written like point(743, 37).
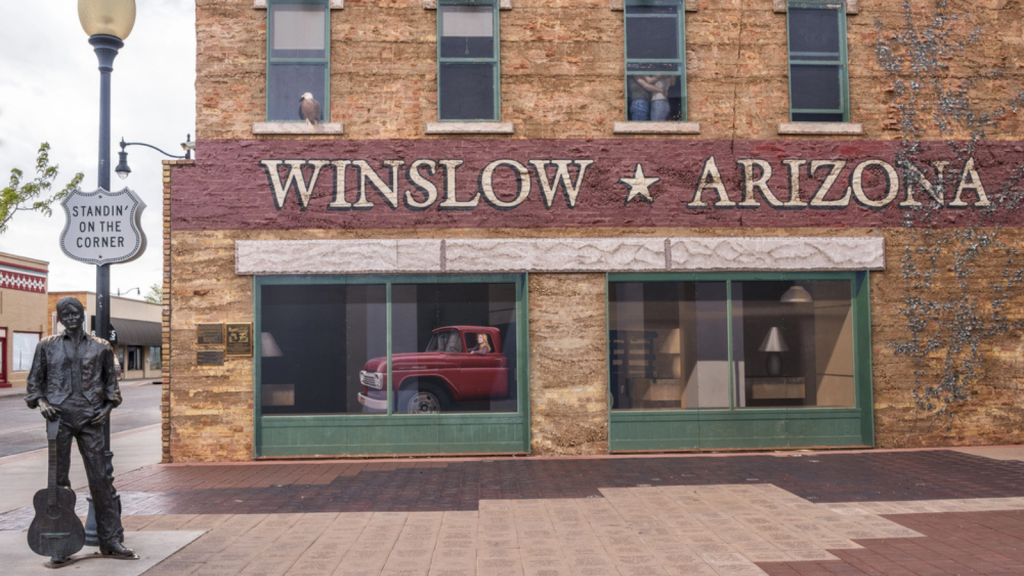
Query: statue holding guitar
point(73, 384)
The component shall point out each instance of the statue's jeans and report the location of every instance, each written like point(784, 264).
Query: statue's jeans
point(75, 415)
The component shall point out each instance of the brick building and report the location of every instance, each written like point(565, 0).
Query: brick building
point(23, 319)
point(578, 227)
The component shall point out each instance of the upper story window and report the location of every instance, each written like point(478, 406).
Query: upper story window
point(655, 60)
point(468, 74)
point(818, 81)
point(298, 60)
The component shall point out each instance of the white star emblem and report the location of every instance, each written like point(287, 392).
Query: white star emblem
point(639, 185)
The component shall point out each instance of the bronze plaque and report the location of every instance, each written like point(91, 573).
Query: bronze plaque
point(210, 358)
point(239, 339)
point(210, 334)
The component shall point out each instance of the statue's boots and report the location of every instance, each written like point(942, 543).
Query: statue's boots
point(115, 549)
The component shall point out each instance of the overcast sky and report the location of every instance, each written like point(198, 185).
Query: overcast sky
point(49, 92)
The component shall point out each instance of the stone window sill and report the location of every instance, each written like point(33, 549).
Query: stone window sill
point(690, 5)
point(470, 128)
point(820, 128)
point(262, 4)
point(432, 4)
point(656, 128)
point(297, 128)
point(852, 6)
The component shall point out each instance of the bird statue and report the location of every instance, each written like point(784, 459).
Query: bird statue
point(309, 109)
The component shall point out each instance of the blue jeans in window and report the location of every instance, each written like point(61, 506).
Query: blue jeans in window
point(639, 110)
point(660, 110)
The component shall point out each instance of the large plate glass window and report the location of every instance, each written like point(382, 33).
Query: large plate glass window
point(24, 349)
point(790, 344)
point(468, 76)
point(453, 348)
point(298, 57)
point(314, 342)
point(391, 365)
point(818, 81)
point(655, 60)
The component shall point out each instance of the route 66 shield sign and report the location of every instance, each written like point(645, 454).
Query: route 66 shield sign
point(103, 227)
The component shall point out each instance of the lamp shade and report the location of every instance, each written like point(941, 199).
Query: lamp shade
point(268, 346)
point(796, 295)
point(773, 341)
point(113, 17)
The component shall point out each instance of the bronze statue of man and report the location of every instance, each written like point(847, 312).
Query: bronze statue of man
point(72, 377)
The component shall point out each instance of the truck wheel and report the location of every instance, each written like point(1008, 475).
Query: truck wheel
point(425, 400)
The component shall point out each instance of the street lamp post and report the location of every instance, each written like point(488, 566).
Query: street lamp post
point(108, 23)
point(123, 170)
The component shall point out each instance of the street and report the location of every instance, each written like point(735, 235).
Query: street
point(22, 430)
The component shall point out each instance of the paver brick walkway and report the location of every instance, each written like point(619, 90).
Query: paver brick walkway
point(868, 513)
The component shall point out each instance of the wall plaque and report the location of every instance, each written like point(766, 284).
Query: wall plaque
point(210, 334)
point(239, 338)
point(210, 358)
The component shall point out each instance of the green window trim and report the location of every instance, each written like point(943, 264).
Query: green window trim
point(838, 60)
point(493, 440)
point(625, 424)
point(680, 62)
point(494, 59)
point(325, 60)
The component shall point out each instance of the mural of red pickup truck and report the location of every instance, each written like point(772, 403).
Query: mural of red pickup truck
point(461, 365)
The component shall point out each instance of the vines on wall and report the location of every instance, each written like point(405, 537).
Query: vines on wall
point(958, 285)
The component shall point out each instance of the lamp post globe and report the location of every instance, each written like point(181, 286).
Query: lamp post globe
point(109, 17)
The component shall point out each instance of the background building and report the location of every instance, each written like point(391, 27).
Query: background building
point(23, 319)
point(674, 224)
point(135, 326)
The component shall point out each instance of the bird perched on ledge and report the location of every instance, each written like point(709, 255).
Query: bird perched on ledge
point(309, 109)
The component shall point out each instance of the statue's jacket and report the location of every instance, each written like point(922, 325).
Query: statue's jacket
point(50, 375)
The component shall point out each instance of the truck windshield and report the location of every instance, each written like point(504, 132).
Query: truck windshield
point(449, 341)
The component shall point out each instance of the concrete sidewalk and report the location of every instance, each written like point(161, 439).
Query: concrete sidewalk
point(892, 513)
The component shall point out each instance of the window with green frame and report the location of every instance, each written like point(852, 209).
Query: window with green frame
point(397, 346)
point(818, 79)
point(468, 70)
point(732, 344)
point(298, 58)
point(655, 45)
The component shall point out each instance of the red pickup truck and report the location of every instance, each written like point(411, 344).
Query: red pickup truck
point(452, 370)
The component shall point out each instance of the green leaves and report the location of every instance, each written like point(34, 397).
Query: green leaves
point(33, 195)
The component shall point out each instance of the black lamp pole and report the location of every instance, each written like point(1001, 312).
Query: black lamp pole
point(106, 47)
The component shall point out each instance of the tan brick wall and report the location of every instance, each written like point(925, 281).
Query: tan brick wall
point(568, 364)
point(562, 69)
point(213, 406)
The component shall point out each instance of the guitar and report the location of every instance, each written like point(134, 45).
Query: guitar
point(55, 531)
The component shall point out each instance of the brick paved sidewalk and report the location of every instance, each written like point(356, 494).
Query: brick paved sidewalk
point(886, 513)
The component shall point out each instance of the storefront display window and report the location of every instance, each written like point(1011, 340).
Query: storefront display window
point(135, 358)
point(315, 340)
point(391, 364)
point(454, 348)
point(24, 348)
point(792, 344)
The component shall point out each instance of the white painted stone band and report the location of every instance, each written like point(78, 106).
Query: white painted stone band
point(290, 257)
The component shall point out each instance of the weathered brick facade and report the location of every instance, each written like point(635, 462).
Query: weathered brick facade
point(562, 78)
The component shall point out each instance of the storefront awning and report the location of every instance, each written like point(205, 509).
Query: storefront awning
point(135, 332)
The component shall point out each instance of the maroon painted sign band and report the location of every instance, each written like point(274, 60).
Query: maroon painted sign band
point(289, 184)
